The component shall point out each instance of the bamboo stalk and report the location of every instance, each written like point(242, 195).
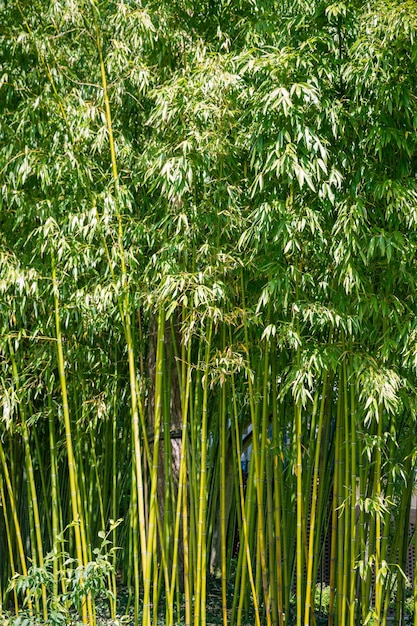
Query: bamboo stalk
point(271, 538)
point(259, 462)
point(72, 470)
point(364, 596)
point(278, 482)
point(124, 306)
point(33, 508)
point(223, 520)
point(347, 497)
point(299, 508)
point(353, 520)
point(377, 491)
point(313, 509)
point(333, 605)
point(182, 488)
point(3, 504)
point(200, 588)
point(153, 504)
point(245, 550)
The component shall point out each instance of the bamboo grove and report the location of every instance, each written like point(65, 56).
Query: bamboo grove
point(207, 253)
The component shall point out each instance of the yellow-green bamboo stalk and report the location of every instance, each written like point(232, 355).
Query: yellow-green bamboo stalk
point(95, 469)
point(34, 509)
point(353, 488)
point(193, 453)
point(334, 522)
point(55, 513)
point(246, 567)
point(401, 540)
point(18, 534)
point(3, 504)
point(278, 482)
point(213, 495)
point(223, 521)
point(153, 503)
point(364, 595)
point(299, 501)
point(155, 585)
point(378, 534)
point(182, 487)
point(168, 496)
point(187, 585)
point(286, 489)
point(271, 538)
point(387, 548)
point(80, 478)
point(262, 472)
point(384, 545)
point(245, 548)
point(124, 305)
point(135, 546)
point(257, 418)
point(39, 454)
point(185, 379)
point(114, 505)
point(325, 480)
point(341, 475)
point(347, 498)
point(313, 509)
point(68, 437)
point(258, 460)
point(200, 587)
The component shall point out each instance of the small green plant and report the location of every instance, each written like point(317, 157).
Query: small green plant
point(76, 582)
point(322, 599)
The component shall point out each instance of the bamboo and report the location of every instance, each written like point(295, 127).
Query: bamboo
point(81, 560)
point(248, 549)
point(12, 500)
point(182, 488)
point(353, 516)
point(223, 520)
point(135, 546)
point(362, 532)
point(299, 507)
point(271, 538)
point(114, 512)
point(388, 518)
point(3, 504)
point(259, 462)
point(287, 517)
point(185, 398)
point(34, 525)
point(278, 482)
point(334, 528)
point(187, 580)
point(377, 491)
point(401, 543)
point(348, 496)
point(200, 588)
point(124, 306)
point(341, 477)
point(153, 504)
point(245, 550)
point(313, 510)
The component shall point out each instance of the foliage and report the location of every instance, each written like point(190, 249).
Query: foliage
point(78, 582)
point(207, 247)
